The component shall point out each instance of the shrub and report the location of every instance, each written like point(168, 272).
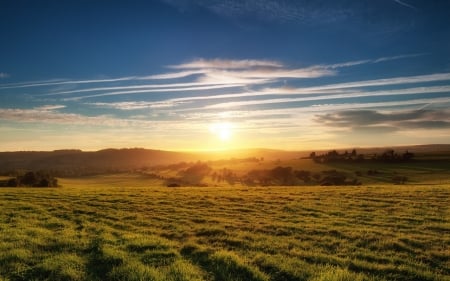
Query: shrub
point(399, 179)
point(32, 179)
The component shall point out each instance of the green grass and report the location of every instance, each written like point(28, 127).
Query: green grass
point(119, 228)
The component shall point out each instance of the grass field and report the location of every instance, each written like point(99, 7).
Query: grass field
point(91, 229)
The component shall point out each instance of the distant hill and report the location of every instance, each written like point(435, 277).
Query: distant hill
point(77, 162)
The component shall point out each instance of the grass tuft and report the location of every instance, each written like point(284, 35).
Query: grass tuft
point(332, 273)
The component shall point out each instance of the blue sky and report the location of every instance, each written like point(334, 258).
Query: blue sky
point(197, 74)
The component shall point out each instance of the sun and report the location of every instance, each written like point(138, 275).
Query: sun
point(222, 130)
point(225, 134)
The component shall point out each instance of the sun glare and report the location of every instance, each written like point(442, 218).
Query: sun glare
point(222, 130)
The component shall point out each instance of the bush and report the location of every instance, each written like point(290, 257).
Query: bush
point(399, 179)
point(32, 179)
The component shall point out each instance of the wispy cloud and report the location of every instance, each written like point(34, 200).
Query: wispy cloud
point(50, 107)
point(245, 71)
point(340, 88)
point(212, 74)
point(387, 81)
point(209, 74)
point(155, 91)
point(408, 91)
point(65, 82)
point(45, 115)
point(133, 105)
point(378, 60)
point(226, 64)
point(49, 115)
point(299, 112)
point(308, 12)
point(4, 75)
point(138, 87)
point(406, 5)
point(399, 120)
point(41, 115)
point(172, 75)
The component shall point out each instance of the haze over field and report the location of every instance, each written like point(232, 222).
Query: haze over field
point(209, 75)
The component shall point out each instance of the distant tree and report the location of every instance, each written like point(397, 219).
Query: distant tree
point(333, 177)
point(283, 175)
point(407, 156)
point(29, 179)
point(388, 155)
point(33, 179)
point(195, 173)
point(317, 177)
point(399, 179)
point(303, 175)
point(12, 182)
point(214, 176)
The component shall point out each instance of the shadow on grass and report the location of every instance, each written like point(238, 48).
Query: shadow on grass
point(101, 263)
point(224, 266)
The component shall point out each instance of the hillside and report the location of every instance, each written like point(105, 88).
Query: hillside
point(80, 162)
point(77, 162)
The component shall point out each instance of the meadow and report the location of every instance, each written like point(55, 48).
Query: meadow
point(122, 227)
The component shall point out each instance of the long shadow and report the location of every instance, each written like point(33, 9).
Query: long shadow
point(99, 265)
point(222, 269)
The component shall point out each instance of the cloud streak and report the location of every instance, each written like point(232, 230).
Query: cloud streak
point(155, 91)
point(340, 88)
point(298, 112)
point(133, 105)
point(66, 82)
point(220, 73)
point(4, 75)
point(162, 88)
point(306, 12)
point(226, 64)
point(406, 5)
point(400, 120)
point(409, 91)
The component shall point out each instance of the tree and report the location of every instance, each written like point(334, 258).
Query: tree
point(12, 182)
point(283, 175)
point(29, 179)
point(399, 179)
point(303, 175)
point(33, 179)
point(196, 172)
point(407, 156)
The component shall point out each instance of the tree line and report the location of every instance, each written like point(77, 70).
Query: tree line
point(31, 179)
point(387, 156)
point(287, 176)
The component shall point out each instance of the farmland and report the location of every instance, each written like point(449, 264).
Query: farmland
point(123, 227)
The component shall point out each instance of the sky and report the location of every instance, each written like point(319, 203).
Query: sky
point(212, 75)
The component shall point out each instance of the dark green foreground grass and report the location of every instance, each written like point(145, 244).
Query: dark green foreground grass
point(277, 233)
